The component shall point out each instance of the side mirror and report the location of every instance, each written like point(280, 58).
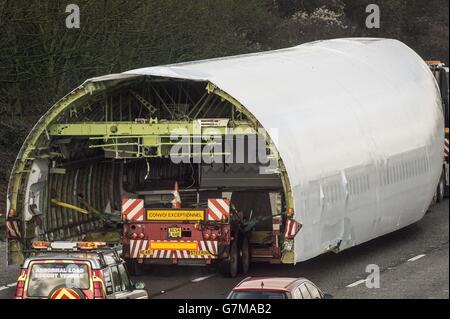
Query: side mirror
point(139, 285)
point(327, 296)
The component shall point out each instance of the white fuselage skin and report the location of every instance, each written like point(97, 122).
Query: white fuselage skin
point(370, 152)
point(358, 124)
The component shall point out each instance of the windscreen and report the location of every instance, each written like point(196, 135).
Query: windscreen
point(46, 277)
point(259, 295)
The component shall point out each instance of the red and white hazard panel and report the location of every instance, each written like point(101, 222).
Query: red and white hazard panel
point(12, 229)
point(196, 249)
point(446, 147)
point(133, 209)
point(218, 209)
point(276, 223)
point(292, 228)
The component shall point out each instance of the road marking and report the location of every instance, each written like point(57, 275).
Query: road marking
point(202, 278)
point(417, 257)
point(8, 286)
point(356, 283)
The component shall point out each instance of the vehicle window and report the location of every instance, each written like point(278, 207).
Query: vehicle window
point(126, 284)
point(116, 279)
point(46, 277)
point(305, 292)
point(297, 294)
point(109, 259)
point(315, 294)
point(258, 295)
point(108, 281)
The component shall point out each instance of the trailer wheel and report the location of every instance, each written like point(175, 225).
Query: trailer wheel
point(440, 192)
point(244, 256)
point(134, 267)
point(445, 178)
point(229, 266)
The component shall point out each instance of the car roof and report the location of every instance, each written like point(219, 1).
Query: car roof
point(95, 262)
point(93, 257)
point(274, 283)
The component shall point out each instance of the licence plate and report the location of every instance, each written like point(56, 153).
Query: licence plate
point(174, 232)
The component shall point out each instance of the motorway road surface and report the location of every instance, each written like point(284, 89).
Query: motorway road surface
point(413, 263)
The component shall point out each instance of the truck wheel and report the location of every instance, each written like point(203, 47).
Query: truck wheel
point(134, 267)
point(440, 192)
point(244, 256)
point(445, 178)
point(229, 266)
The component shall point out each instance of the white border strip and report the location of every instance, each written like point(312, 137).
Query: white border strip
point(8, 286)
point(202, 278)
point(356, 283)
point(416, 257)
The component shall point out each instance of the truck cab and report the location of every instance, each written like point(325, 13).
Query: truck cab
point(440, 72)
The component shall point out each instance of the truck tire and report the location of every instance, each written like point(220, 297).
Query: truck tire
point(446, 186)
point(440, 192)
point(134, 267)
point(244, 256)
point(229, 266)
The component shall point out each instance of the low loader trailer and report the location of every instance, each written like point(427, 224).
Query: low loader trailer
point(440, 72)
point(218, 234)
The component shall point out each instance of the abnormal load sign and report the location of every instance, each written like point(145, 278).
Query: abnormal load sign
point(175, 214)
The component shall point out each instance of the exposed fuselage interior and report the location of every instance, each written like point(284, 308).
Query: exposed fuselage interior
point(136, 141)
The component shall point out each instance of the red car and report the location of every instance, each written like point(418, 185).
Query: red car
point(276, 288)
